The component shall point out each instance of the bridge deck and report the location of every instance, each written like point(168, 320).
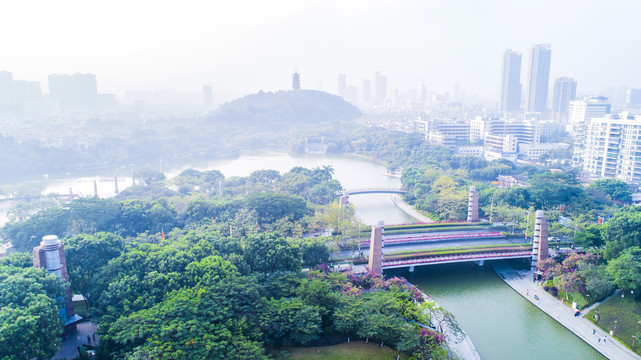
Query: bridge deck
point(392, 264)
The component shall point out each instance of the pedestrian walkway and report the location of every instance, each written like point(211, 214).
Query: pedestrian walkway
point(84, 334)
point(409, 210)
point(521, 282)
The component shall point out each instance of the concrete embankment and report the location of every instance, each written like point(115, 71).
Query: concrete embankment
point(521, 282)
point(409, 210)
point(465, 349)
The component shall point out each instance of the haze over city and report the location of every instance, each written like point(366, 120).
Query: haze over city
point(244, 46)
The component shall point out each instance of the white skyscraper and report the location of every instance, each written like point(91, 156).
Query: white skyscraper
point(511, 82)
point(564, 92)
point(539, 78)
point(75, 92)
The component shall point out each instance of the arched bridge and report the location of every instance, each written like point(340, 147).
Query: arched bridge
point(370, 191)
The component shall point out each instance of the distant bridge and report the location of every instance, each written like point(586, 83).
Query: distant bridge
point(456, 258)
point(437, 237)
point(370, 191)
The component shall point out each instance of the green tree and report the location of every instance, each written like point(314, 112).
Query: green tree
point(270, 252)
point(590, 237)
point(621, 232)
point(625, 270)
point(617, 190)
point(86, 254)
point(30, 323)
point(289, 321)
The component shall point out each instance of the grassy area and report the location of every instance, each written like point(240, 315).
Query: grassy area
point(460, 250)
point(355, 350)
point(626, 311)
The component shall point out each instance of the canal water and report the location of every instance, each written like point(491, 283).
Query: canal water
point(499, 321)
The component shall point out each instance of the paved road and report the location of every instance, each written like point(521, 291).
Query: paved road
point(521, 282)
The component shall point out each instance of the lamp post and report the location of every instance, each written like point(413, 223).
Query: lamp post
point(633, 339)
point(615, 328)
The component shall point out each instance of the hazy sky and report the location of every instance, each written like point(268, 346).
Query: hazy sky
point(250, 45)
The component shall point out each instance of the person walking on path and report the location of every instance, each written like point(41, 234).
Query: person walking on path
point(593, 331)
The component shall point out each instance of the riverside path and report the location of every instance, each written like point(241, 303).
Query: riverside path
point(521, 282)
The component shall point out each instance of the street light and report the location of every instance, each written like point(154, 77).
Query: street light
point(633, 339)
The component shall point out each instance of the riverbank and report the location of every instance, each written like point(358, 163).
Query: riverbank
point(409, 210)
point(521, 282)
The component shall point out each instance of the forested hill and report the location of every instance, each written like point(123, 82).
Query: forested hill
point(285, 108)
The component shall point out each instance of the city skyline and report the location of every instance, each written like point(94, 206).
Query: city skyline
point(261, 44)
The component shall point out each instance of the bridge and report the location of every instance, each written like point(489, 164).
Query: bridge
point(456, 258)
point(370, 191)
point(421, 238)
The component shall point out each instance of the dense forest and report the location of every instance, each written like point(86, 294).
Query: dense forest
point(230, 265)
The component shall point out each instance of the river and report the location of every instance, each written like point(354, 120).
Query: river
point(499, 321)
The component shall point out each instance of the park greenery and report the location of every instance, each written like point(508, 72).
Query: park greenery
point(227, 255)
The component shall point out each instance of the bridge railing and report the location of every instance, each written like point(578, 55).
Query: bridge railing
point(443, 258)
point(370, 190)
point(409, 239)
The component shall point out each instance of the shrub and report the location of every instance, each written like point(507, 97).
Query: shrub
point(554, 291)
point(546, 288)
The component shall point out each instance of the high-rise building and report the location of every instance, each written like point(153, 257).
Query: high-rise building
point(511, 82)
point(27, 91)
point(564, 92)
point(380, 93)
point(75, 92)
point(342, 85)
point(208, 96)
point(634, 97)
point(611, 145)
point(6, 88)
point(539, 77)
point(580, 113)
point(367, 91)
point(296, 81)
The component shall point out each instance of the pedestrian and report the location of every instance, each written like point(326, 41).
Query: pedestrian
point(604, 339)
point(599, 339)
point(593, 331)
point(88, 339)
point(527, 292)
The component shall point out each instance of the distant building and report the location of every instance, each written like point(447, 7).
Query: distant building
point(539, 78)
point(367, 91)
point(512, 180)
point(208, 96)
point(380, 93)
point(564, 92)
point(6, 89)
point(610, 148)
point(511, 82)
point(295, 81)
point(27, 92)
point(634, 97)
point(73, 93)
point(580, 113)
point(342, 85)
